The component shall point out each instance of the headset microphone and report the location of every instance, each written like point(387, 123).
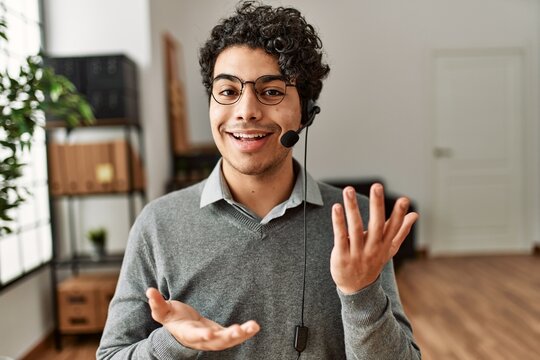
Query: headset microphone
point(291, 137)
point(288, 140)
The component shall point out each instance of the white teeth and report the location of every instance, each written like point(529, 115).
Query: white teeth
point(248, 136)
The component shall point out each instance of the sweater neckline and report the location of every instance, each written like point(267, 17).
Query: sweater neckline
point(252, 224)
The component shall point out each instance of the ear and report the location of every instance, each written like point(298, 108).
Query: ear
point(311, 110)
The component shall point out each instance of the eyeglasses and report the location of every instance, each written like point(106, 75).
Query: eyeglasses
point(269, 89)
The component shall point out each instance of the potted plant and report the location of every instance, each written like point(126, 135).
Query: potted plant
point(98, 239)
point(25, 96)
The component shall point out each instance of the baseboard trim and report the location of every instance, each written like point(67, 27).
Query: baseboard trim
point(41, 347)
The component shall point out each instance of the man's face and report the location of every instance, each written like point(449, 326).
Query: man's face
point(247, 132)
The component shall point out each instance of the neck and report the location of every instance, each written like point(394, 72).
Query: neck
point(261, 193)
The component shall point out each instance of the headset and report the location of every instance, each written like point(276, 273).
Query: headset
point(288, 140)
point(291, 137)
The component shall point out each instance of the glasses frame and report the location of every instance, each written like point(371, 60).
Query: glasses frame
point(253, 82)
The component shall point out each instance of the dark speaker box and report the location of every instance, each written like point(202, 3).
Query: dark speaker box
point(113, 103)
point(111, 72)
point(108, 82)
point(72, 68)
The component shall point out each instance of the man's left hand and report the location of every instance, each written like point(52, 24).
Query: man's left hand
point(359, 256)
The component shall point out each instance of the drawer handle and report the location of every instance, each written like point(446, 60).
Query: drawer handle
point(78, 321)
point(77, 299)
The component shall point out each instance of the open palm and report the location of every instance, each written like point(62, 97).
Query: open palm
point(193, 330)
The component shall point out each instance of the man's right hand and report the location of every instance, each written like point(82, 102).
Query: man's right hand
point(194, 331)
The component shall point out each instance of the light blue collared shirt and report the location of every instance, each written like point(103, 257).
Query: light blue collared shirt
point(216, 189)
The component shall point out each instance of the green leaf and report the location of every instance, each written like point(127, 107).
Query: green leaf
point(5, 217)
point(72, 120)
point(4, 230)
point(55, 91)
point(8, 145)
point(86, 111)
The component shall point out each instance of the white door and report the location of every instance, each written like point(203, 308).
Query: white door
point(479, 111)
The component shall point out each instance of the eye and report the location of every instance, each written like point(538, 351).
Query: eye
point(226, 89)
point(229, 92)
point(272, 92)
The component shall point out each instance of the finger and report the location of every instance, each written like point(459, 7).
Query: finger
point(341, 241)
point(251, 327)
point(233, 332)
point(231, 336)
point(393, 224)
point(354, 220)
point(408, 222)
point(376, 216)
point(159, 307)
point(196, 336)
point(240, 333)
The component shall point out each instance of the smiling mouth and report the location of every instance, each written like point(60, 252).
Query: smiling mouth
point(249, 137)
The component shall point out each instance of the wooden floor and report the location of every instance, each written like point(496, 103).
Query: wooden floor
point(474, 308)
point(74, 347)
point(466, 308)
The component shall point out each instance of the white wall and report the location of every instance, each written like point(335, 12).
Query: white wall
point(25, 314)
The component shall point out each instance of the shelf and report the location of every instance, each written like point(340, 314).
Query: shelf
point(87, 261)
point(79, 169)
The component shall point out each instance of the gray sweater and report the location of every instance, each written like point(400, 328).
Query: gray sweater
point(232, 269)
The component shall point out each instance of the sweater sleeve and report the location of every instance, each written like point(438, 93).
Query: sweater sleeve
point(130, 331)
point(375, 324)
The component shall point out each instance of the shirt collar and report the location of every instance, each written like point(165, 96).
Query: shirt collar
point(216, 188)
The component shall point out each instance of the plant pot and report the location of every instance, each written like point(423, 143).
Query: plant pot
point(98, 252)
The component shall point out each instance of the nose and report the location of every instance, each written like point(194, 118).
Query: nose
point(248, 108)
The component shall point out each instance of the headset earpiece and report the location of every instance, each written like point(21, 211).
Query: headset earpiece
point(312, 110)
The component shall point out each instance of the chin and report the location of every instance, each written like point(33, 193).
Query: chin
point(253, 167)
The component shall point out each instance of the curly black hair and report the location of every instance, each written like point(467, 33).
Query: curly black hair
point(281, 32)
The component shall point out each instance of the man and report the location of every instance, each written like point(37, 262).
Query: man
point(228, 253)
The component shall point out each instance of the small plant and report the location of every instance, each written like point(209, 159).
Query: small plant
point(98, 237)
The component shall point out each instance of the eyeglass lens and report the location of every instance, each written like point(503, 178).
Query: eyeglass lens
point(269, 89)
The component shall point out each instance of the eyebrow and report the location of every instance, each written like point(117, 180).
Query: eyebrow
point(226, 76)
point(267, 78)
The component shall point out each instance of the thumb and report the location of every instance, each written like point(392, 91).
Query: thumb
point(159, 307)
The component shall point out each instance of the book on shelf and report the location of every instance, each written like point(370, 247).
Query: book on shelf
point(85, 168)
point(71, 169)
point(57, 175)
point(120, 152)
point(84, 181)
point(103, 167)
